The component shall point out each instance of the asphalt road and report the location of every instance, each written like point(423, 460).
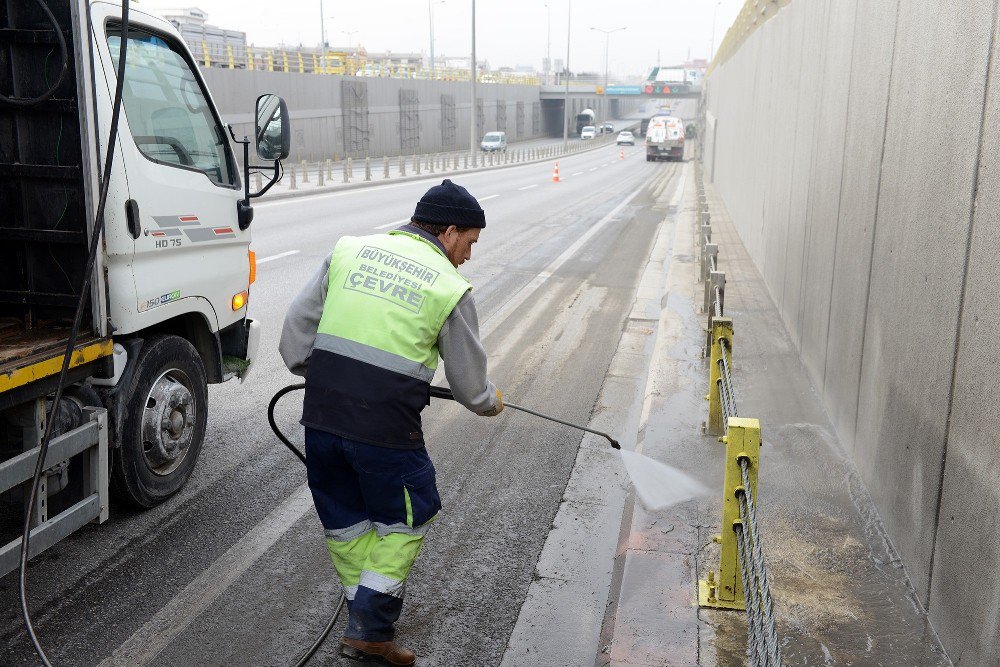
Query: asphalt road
point(234, 569)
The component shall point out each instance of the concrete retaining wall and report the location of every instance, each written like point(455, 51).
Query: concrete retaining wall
point(383, 123)
point(856, 143)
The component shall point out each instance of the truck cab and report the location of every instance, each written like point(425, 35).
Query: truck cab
point(167, 308)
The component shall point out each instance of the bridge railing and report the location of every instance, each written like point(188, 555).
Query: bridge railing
point(742, 580)
point(265, 59)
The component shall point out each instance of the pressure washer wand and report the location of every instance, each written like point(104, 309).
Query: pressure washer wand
point(444, 392)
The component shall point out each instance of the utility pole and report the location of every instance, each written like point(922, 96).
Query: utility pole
point(472, 87)
point(569, 15)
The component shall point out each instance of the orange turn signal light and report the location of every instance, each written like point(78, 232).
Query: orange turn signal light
point(252, 256)
point(240, 300)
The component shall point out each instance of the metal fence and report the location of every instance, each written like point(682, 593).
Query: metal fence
point(363, 168)
point(742, 581)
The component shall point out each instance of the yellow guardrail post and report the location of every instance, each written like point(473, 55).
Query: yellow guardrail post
point(284, 61)
point(270, 61)
point(722, 332)
point(726, 590)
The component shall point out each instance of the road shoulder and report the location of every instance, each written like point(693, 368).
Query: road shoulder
point(561, 619)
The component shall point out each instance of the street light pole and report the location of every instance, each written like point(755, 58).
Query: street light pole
point(472, 88)
point(430, 16)
point(607, 40)
point(569, 15)
point(322, 33)
point(715, 14)
point(548, 43)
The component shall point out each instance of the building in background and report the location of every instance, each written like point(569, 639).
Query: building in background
point(211, 45)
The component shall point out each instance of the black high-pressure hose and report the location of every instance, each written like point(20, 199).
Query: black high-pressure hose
point(436, 392)
point(74, 333)
point(63, 52)
point(302, 457)
point(97, 232)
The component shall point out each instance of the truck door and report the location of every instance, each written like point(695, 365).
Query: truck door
point(183, 180)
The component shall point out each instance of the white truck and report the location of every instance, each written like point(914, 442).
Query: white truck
point(665, 139)
point(167, 306)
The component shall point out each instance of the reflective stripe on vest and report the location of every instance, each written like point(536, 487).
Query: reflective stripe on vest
point(387, 299)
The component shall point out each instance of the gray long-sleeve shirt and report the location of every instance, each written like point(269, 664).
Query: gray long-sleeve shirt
point(458, 342)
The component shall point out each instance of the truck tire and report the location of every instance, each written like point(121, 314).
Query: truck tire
point(163, 422)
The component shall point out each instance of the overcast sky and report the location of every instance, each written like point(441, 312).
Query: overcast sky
point(508, 32)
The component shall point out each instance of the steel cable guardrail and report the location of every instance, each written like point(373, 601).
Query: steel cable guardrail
point(742, 582)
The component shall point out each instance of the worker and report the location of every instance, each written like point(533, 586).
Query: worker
point(366, 332)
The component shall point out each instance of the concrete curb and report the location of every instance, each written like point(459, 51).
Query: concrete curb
point(414, 177)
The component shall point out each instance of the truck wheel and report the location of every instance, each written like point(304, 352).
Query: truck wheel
point(163, 422)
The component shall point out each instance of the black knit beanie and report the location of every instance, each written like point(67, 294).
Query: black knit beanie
point(449, 204)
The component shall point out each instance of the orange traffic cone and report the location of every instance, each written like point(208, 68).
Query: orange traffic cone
point(555, 174)
point(621, 154)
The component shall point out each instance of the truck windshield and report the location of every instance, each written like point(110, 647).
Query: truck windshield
point(166, 108)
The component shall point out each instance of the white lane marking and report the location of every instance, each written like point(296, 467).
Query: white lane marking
point(187, 606)
point(393, 224)
point(528, 187)
point(605, 164)
point(262, 260)
point(492, 322)
point(579, 173)
point(490, 197)
point(592, 169)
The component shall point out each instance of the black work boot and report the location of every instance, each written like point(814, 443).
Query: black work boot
point(384, 653)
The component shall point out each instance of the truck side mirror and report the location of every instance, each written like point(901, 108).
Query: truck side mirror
point(272, 135)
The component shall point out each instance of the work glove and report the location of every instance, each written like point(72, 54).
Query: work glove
point(496, 409)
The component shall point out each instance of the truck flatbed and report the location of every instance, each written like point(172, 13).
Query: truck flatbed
point(27, 357)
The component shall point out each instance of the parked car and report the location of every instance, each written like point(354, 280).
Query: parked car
point(608, 127)
point(588, 132)
point(494, 141)
point(625, 137)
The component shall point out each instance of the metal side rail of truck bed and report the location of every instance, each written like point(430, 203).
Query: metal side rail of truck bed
point(89, 440)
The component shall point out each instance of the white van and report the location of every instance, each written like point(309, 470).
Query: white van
point(494, 141)
point(588, 132)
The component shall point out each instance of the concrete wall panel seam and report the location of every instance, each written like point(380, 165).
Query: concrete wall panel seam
point(878, 199)
point(806, 222)
point(840, 201)
point(961, 304)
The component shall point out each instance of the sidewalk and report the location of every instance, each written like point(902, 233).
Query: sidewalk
point(841, 596)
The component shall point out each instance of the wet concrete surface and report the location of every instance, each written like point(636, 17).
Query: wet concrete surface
point(841, 597)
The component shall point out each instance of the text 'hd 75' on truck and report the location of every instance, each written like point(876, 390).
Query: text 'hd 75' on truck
point(165, 312)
